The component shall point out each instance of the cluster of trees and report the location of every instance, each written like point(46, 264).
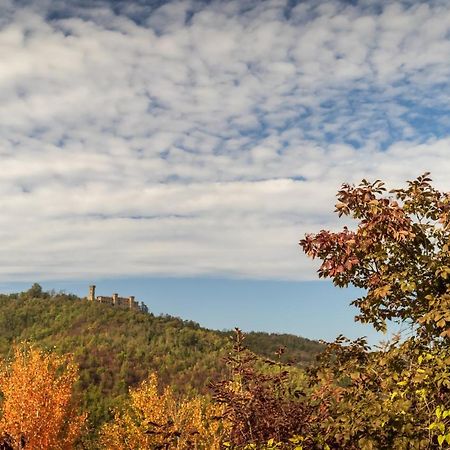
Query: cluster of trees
point(391, 397)
point(257, 405)
point(116, 349)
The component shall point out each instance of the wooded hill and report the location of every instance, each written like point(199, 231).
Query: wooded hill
point(117, 348)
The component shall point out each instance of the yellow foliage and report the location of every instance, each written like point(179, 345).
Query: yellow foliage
point(154, 420)
point(36, 410)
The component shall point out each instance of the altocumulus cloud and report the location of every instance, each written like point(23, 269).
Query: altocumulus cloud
point(204, 138)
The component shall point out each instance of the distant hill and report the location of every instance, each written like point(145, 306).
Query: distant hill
point(297, 350)
point(117, 348)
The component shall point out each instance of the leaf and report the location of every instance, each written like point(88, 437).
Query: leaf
point(382, 291)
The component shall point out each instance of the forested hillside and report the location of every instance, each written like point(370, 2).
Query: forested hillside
point(118, 348)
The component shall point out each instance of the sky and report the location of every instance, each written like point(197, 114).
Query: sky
point(181, 149)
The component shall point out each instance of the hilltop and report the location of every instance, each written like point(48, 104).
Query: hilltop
point(117, 348)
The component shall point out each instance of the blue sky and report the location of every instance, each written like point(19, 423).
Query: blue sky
point(185, 147)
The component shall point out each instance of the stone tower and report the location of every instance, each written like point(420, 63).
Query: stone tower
point(91, 293)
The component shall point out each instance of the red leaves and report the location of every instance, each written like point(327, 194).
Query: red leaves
point(400, 241)
point(336, 249)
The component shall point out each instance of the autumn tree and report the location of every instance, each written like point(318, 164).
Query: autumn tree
point(37, 410)
point(396, 397)
point(262, 404)
point(159, 420)
point(398, 253)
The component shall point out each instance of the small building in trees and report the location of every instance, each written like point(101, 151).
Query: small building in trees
point(114, 300)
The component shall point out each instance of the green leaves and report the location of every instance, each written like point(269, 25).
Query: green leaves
point(440, 427)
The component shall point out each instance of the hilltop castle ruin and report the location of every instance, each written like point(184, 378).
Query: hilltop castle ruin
point(115, 300)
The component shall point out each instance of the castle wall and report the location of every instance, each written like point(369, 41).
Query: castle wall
point(114, 300)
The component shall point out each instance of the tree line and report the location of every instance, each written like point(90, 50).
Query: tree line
point(115, 349)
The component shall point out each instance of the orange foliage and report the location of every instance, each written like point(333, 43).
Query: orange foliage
point(156, 420)
point(36, 410)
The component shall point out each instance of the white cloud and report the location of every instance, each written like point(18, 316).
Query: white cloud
point(195, 138)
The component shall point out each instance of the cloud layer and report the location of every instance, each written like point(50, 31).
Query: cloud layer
point(191, 138)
